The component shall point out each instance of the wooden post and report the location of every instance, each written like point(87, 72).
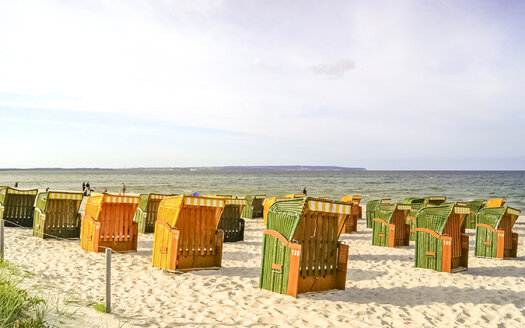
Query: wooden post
point(108, 280)
point(1, 240)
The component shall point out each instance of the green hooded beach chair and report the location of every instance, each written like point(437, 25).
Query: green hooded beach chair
point(474, 207)
point(56, 214)
point(389, 227)
point(415, 205)
point(146, 214)
point(370, 208)
point(301, 249)
point(17, 206)
point(440, 243)
point(254, 207)
point(494, 236)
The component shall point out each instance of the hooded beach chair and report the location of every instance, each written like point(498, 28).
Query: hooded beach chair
point(301, 250)
point(474, 207)
point(231, 223)
point(415, 205)
point(440, 243)
point(187, 235)
point(389, 227)
point(495, 202)
point(146, 214)
point(356, 213)
point(266, 206)
point(17, 206)
point(370, 208)
point(254, 207)
point(494, 236)
point(56, 214)
point(108, 223)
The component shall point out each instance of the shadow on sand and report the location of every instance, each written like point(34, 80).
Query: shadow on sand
point(402, 296)
point(380, 257)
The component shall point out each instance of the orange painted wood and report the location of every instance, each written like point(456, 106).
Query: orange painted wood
point(446, 256)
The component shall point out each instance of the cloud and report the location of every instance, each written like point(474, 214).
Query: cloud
point(335, 70)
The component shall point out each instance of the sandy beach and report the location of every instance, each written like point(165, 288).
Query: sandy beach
point(383, 288)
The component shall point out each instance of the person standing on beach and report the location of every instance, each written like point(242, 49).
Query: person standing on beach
point(84, 187)
point(123, 189)
point(16, 184)
point(304, 191)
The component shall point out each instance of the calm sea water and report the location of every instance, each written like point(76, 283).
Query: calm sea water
point(456, 185)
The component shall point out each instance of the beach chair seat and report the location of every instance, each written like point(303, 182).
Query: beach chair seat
point(370, 208)
point(231, 223)
point(474, 207)
point(440, 243)
point(389, 226)
point(301, 248)
point(146, 214)
point(356, 213)
point(17, 206)
point(187, 235)
point(415, 205)
point(266, 207)
point(494, 236)
point(56, 214)
point(108, 223)
point(254, 207)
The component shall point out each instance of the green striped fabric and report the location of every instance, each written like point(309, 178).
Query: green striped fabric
point(434, 217)
point(284, 215)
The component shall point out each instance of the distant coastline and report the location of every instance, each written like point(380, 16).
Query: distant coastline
point(205, 168)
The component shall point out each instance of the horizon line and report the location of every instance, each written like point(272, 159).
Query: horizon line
point(275, 167)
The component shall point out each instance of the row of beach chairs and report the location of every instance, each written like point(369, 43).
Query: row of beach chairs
point(301, 249)
point(438, 229)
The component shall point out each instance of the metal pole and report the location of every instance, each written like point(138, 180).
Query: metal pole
point(108, 280)
point(1, 240)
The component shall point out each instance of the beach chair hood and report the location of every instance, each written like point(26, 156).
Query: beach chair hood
point(435, 217)
point(492, 215)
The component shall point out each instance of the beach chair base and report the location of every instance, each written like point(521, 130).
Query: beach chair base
point(233, 229)
point(92, 241)
point(19, 222)
point(169, 255)
point(281, 268)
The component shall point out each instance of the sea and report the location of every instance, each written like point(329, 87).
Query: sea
point(396, 185)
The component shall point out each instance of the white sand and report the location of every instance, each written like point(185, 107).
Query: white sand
point(383, 288)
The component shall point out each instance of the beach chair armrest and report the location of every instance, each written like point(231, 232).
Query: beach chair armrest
point(90, 220)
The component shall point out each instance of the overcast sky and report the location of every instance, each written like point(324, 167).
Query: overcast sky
point(375, 84)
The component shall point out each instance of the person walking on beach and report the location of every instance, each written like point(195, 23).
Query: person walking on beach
point(123, 189)
point(304, 191)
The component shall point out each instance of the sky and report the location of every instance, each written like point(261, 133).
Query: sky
point(385, 85)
